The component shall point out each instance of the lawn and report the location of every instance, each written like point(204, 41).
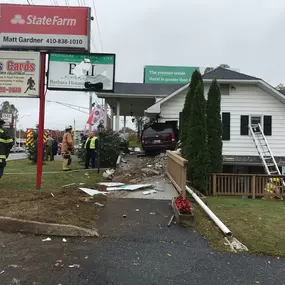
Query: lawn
point(258, 224)
point(52, 203)
point(21, 175)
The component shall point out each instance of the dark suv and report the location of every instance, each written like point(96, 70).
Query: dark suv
point(159, 137)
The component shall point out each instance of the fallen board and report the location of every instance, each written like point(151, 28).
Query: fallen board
point(129, 187)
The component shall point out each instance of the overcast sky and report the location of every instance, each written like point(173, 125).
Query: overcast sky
point(245, 34)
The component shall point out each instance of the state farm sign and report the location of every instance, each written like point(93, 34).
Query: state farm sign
point(44, 27)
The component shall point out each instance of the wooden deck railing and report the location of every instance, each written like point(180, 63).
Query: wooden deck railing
point(228, 184)
point(176, 170)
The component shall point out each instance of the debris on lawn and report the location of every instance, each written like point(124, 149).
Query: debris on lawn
point(99, 204)
point(152, 213)
point(124, 216)
point(64, 240)
point(15, 281)
point(108, 173)
point(92, 192)
point(169, 254)
point(86, 199)
point(74, 265)
point(14, 266)
point(150, 171)
point(170, 221)
point(46, 239)
point(149, 192)
point(129, 187)
point(2, 272)
point(137, 149)
point(137, 210)
point(111, 184)
point(67, 185)
point(52, 195)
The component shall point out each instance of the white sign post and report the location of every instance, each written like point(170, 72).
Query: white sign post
point(19, 74)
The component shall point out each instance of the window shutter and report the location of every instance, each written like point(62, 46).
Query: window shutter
point(226, 121)
point(244, 120)
point(267, 125)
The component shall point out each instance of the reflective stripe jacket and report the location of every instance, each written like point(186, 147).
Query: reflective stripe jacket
point(67, 143)
point(93, 143)
point(6, 144)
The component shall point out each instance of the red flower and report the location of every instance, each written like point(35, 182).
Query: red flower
point(183, 205)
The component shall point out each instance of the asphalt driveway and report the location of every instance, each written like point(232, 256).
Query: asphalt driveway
point(138, 249)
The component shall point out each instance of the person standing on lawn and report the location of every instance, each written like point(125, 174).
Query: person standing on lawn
point(91, 146)
point(6, 144)
point(67, 148)
point(49, 145)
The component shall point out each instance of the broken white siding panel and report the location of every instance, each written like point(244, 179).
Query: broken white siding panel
point(243, 99)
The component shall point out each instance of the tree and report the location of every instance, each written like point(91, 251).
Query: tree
point(186, 112)
point(214, 128)
point(280, 87)
point(197, 148)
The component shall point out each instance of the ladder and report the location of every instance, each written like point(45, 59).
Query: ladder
point(264, 151)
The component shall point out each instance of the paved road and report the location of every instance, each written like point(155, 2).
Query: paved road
point(137, 250)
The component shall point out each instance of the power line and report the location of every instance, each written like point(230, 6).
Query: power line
point(100, 38)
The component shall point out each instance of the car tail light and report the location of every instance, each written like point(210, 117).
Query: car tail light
point(142, 139)
point(172, 137)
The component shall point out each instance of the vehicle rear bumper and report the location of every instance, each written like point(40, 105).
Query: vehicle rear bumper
point(159, 147)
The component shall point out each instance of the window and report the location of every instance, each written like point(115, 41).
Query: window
point(225, 89)
point(254, 120)
point(267, 125)
point(244, 120)
point(226, 121)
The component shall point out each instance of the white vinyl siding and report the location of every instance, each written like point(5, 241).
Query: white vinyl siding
point(247, 100)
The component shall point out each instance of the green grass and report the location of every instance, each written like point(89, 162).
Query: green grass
point(21, 174)
point(258, 224)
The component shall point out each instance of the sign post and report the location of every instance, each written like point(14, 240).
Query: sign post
point(41, 122)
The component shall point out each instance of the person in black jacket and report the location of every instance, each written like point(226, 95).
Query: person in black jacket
point(6, 144)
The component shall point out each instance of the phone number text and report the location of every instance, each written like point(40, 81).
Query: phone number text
point(10, 90)
point(65, 41)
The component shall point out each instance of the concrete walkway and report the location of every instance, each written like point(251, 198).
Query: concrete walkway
point(137, 250)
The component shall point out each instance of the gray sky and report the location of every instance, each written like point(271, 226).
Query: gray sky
point(243, 34)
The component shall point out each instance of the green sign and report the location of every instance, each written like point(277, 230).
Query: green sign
point(168, 74)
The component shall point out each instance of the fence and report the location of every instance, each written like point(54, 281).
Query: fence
point(176, 170)
point(224, 184)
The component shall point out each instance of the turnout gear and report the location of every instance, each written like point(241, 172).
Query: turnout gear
point(66, 149)
point(6, 144)
point(49, 146)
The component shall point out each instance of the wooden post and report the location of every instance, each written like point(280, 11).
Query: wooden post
point(183, 179)
point(214, 184)
point(253, 186)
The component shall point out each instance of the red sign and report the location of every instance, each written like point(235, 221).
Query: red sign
point(49, 27)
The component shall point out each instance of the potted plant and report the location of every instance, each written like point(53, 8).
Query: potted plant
point(183, 211)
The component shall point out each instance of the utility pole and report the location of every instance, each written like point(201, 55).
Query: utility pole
point(90, 108)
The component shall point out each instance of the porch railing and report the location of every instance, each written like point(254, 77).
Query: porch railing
point(228, 184)
point(176, 169)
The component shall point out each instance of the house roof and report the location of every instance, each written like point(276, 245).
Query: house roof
point(145, 88)
point(227, 74)
point(282, 91)
point(223, 75)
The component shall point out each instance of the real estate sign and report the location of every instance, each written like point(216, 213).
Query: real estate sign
point(7, 117)
point(61, 71)
point(44, 27)
point(168, 74)
point(19, 74)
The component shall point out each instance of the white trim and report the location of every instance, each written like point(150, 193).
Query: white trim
point(155, 109)
point(127, 96)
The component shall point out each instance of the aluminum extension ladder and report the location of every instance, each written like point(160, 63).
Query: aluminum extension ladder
point(264, 151)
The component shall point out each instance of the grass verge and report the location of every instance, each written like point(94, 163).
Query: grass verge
point(19, 199)
point(258, 224)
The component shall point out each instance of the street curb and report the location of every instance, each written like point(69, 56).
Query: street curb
point(8, 224)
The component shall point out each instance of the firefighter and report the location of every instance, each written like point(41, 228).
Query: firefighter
point(91, 146)
point(67, 148)
point(6, 144)
point(49, 148)
point(272, 189)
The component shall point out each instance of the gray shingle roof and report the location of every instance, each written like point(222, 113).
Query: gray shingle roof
point(145, 88)
point(282, 91)
point(224, 73)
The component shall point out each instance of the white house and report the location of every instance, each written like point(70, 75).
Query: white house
point(245, 100)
